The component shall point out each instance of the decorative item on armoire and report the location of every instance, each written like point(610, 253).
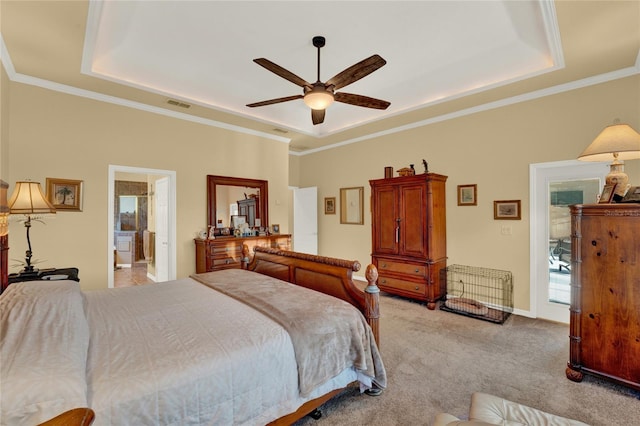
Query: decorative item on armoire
point(407, 171)
point(623, 143)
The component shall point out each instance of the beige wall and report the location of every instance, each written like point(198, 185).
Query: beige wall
point(58, 135)
point(492, 149)
point(64, 136)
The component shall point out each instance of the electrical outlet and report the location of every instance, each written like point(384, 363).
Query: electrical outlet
point(506, 230)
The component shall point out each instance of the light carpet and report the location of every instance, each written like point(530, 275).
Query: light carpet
point(436, 359)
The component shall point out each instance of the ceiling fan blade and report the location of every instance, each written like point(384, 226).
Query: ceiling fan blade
point(286, 74)
point(317, 116)
point(356, 72)
point(359, 100)
point(275, 101)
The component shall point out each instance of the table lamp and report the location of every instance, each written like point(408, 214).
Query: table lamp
point(623, 143)
point(28, 199)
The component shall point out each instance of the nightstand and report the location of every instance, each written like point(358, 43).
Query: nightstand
point(51, 274)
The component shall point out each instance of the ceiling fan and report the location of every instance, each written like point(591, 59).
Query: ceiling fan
point(318, 96)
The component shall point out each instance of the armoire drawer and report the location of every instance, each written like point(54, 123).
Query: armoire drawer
point(402, 268)
point(407, 286)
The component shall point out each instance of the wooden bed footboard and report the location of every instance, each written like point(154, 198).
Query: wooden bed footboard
point(325, 274)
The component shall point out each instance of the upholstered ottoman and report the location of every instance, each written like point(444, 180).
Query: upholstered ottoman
point(489, 410)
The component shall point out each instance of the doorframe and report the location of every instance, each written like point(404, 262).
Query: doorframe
point(539, 177)
point(171, 226)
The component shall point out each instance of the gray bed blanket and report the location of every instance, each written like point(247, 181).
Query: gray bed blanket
point(328, 334)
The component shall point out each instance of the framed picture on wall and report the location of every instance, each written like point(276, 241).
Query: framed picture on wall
point(330, 205)
point(467, 195)
point(65, 194)
point(506, 209)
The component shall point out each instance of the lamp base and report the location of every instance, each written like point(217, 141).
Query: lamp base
point(619, 177)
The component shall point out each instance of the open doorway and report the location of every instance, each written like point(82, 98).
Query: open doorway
point(141, 226)
point(554, 187)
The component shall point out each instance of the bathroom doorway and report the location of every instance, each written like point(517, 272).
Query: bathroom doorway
point(141, 226)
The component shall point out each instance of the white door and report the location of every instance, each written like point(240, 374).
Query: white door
point(305, 220)
point(553, 187)
point(162, 229)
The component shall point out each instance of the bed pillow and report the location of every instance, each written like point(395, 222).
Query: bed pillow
point(44, 341)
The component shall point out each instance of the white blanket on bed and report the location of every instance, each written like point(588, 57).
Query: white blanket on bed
point(160, 354)
point(44, 339)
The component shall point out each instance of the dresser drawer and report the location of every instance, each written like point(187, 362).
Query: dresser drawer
point(223, 250)
point(402, 285)
point(225, 261)
point(402, 268)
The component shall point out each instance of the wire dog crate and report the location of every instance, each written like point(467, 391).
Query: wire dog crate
point(478, 292)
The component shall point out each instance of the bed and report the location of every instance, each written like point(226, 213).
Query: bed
point(240, 346)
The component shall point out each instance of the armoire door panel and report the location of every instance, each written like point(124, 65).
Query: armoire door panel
point(385, 223)
point(412, 235)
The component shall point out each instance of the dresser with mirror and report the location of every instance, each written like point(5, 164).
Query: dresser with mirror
point(229, 197)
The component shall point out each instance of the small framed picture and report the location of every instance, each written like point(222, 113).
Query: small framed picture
point(506, 209)
point(632, 195)
point(237, 220)
point(275, 229)
point(65, 194)
point(607, 193)
point(467, 195)
point(330, 205)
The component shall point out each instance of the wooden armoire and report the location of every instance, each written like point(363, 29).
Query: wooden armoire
point(604, 331)
point(409, 235)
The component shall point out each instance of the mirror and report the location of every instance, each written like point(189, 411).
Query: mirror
point(351, 205)
point(128, 214)
point(225, 191)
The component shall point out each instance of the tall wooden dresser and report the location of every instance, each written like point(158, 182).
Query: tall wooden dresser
point(605, 293)
point(409, 235)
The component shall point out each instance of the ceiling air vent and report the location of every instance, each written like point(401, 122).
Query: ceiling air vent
point(178, 103)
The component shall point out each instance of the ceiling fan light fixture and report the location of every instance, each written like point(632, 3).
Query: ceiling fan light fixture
point(318, 98)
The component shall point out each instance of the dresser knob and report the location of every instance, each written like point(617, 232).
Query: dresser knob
point(417, 288)
point(417, 270)
point(384, 265)
point(384, 281)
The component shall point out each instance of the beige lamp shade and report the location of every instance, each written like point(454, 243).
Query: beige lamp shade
point(27, 198)
point(617, 138)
